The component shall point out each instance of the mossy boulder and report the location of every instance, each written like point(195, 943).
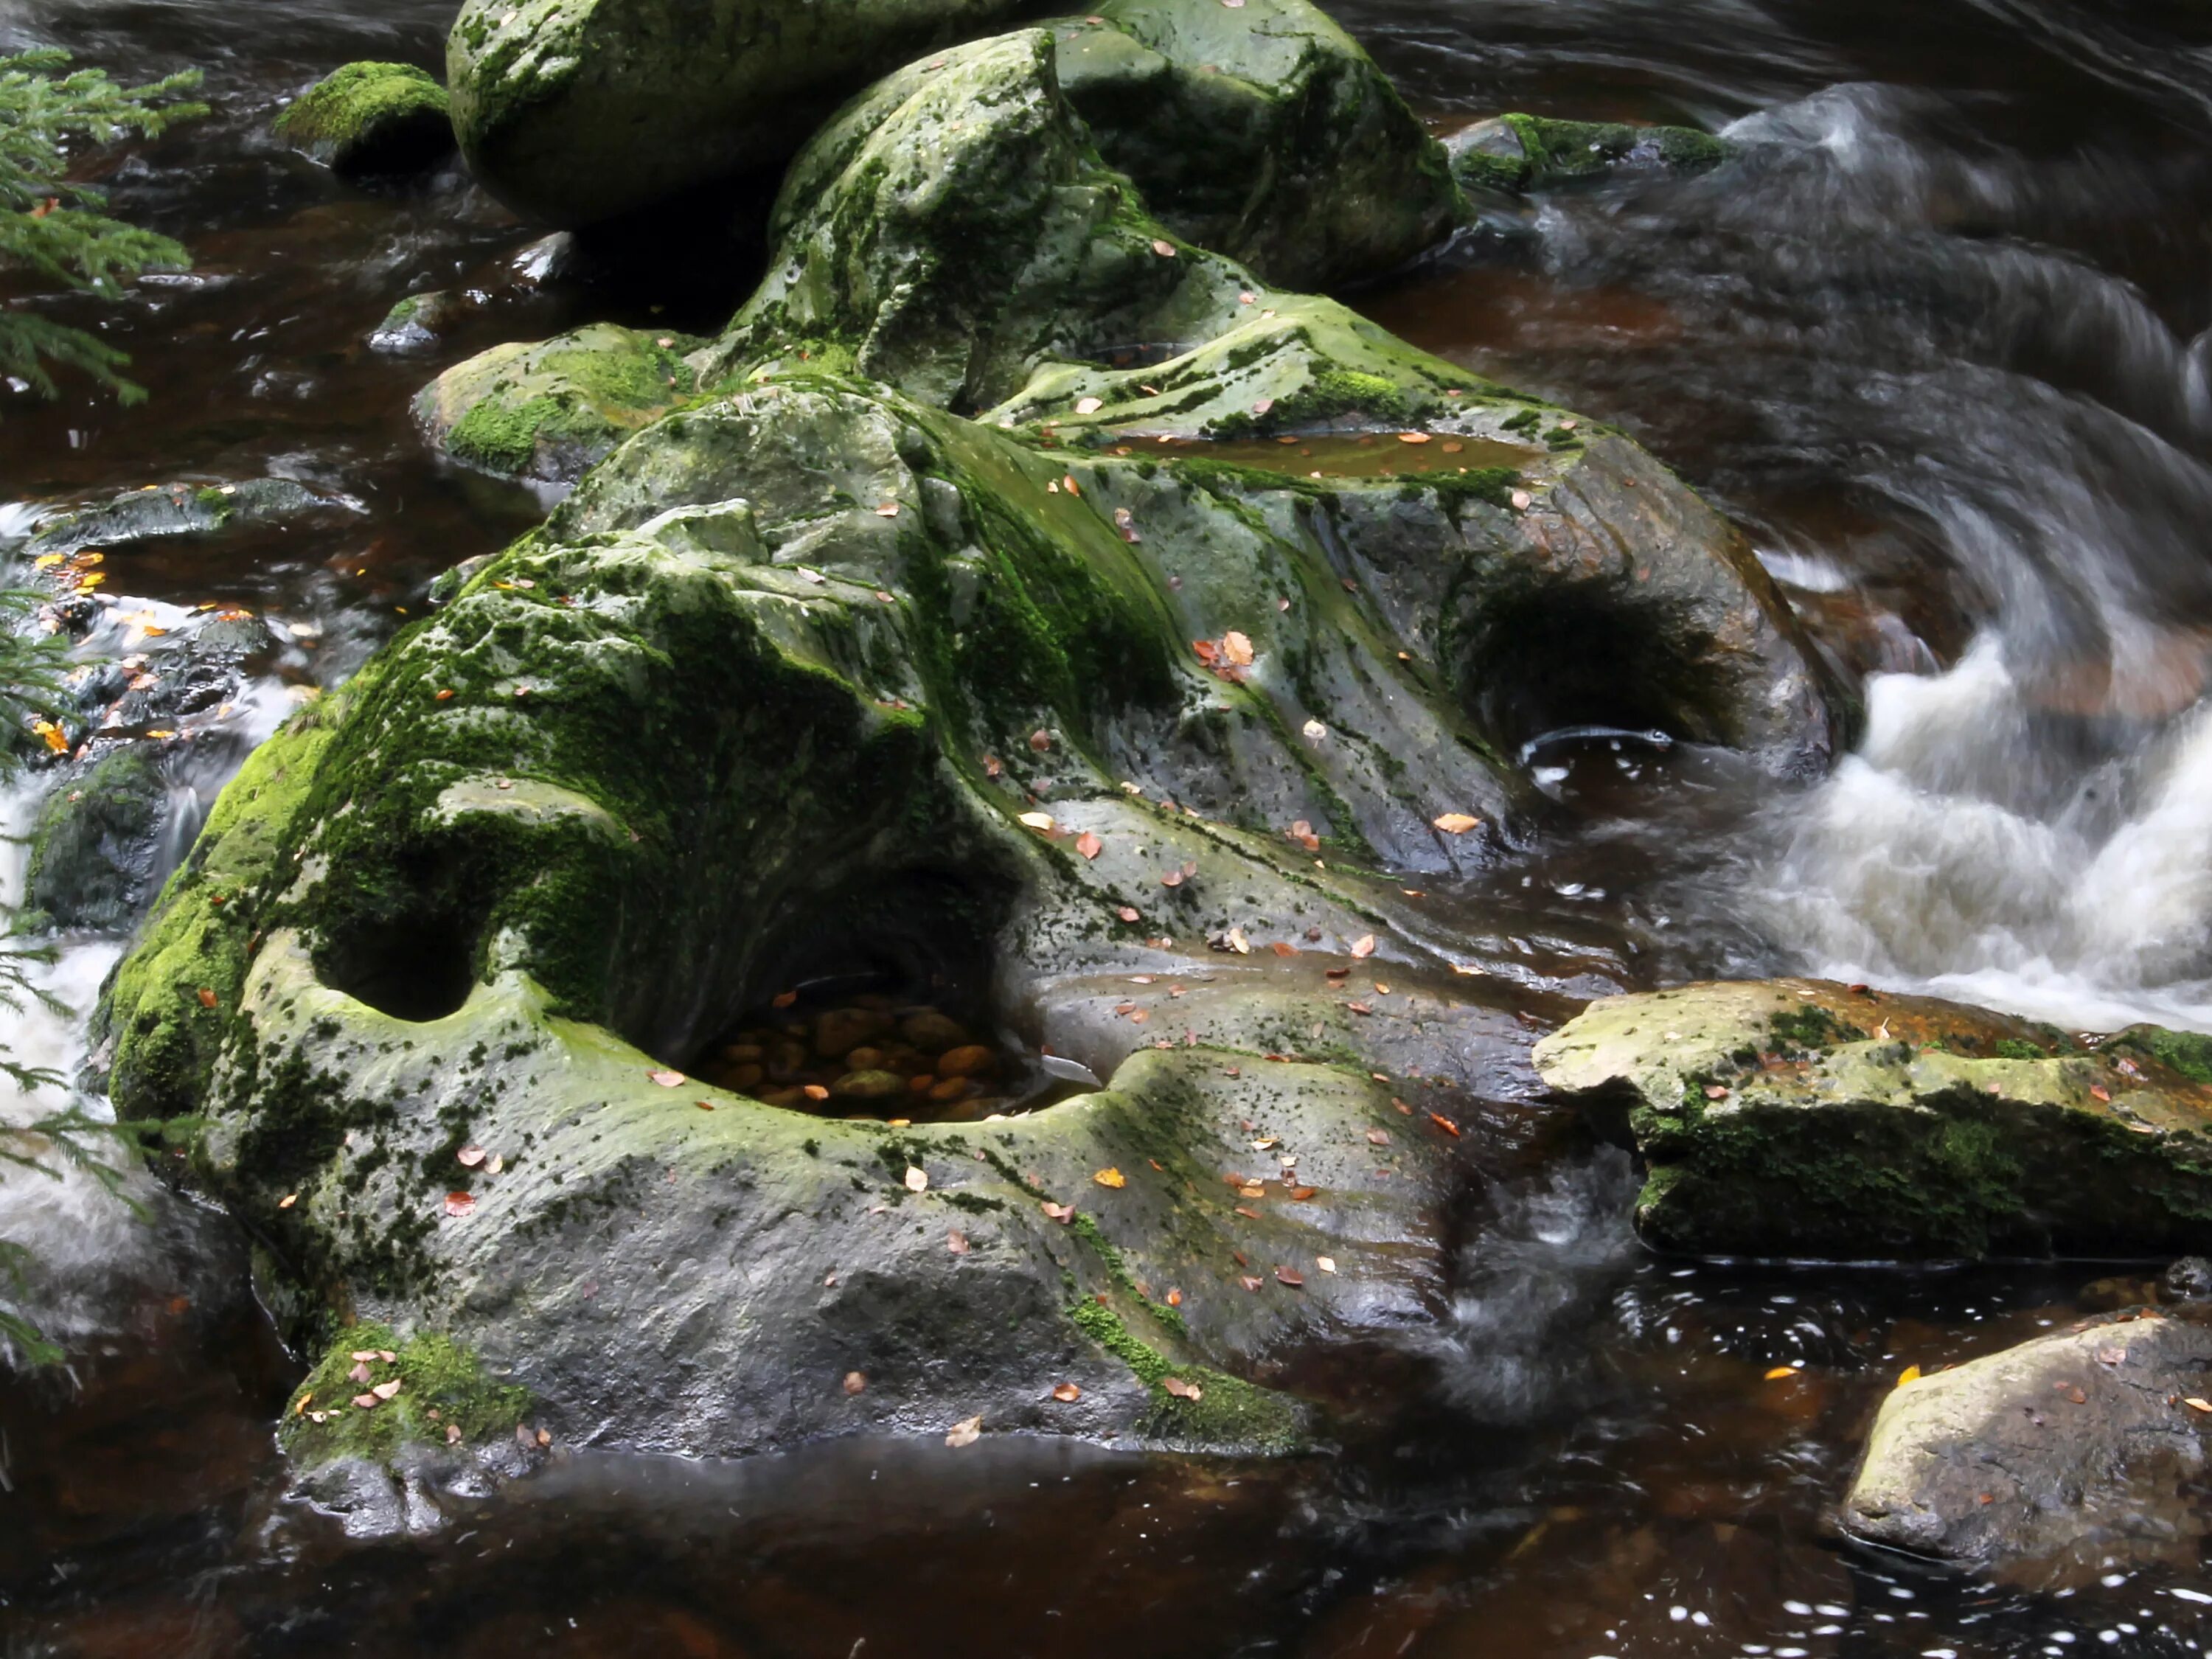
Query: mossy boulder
point(1519, 154)
point(1265, 133)
point(548, 411)
point(2051, 1463)
point(572, 112)
point(94, 844)
point(1118, 744)
point(371, 117)
point(1801, 1119)
point(956, 233)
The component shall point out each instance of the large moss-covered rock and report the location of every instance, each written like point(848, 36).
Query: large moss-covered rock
point(2052, 1462)
point(1123, 746)
point(722, 726)
point(548, 411)
point(954, 233)
point(1263, 132)
point(1518, 154)
point(577, 111)
point(371, 117)
point(1799, 1118)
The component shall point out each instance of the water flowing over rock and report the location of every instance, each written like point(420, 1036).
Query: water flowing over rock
point(1803, 1118)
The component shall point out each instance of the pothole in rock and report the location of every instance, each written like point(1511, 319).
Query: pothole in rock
point(1349, 455)
point(867, 1049)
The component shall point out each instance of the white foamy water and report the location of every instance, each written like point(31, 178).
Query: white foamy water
point(1953, 853)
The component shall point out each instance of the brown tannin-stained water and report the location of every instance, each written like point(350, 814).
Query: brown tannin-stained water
point(1937, 337)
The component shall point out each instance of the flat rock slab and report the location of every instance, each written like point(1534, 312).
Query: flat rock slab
point(1801, 1119)
point(2050, 1460)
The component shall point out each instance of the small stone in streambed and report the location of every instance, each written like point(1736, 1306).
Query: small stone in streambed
point(932, 1033)
point(972, 1060)
point(841, 1030)
point(869, 1085)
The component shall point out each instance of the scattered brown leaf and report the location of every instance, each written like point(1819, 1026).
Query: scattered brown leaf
point(1066, 1393)
point(1089, 845)
point(1063, 1213)
point(1456, 824)
point(917, 1181)
point(1182, 1391)
point(470, 1157)
point(1364, 945)
point(1445, 1124)
point(957, 1242)
point(461, 1203)
point(966, 1432)
point(1111, 1177)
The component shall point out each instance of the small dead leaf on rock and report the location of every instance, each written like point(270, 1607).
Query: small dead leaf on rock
point(667, 1079)
point(1089, 845)
point(360, 1372)
point(1456, 824)
point(288, 1200)
point(452, 1434)
point(2072, 1391)
point(1364, 945)
point(1378, 1136)
point(1250, 1281)
point(1040, 821)
point(387, 1390)
point(1089, 405)
point(1063, 1213)
point(966, 1432)
point(887, 510)
point(783, 999)
point(1040, 740)
point(1909, 1374)
point(1175, 1298)
point(815, 1092)
point(461, 1203)
point(470, 1157)
point(1326, 1263)
point(1172, 878)
point(2197, 1405)
point(1521, 499)
point(368, 1403)
point(1716, 1092)
point(855, 1381)
point(1166, 250)
point(993, 766)
point(1126, 912)
point(957, 1242)
point(1290, 1276)
point(1237, 647)
point(2111, 1356)
point(917, 1181)
point(1445, 1124)
point(207, 996)
point(1182, 1391)
point(1110, 1176)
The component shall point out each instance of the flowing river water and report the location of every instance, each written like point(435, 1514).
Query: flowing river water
point(1939, 339)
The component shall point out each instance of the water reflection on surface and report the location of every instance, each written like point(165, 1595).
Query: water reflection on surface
point(1936, 337)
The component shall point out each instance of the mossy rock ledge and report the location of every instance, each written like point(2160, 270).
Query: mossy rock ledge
point(1517, 154)
point(907, 646)
point(371, 118)
point(1801, 1119)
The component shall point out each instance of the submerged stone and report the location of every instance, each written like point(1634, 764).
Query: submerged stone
point(371, 117)
point(1800, 1118)
point(2052, 1462)
point(549, 411)
point(181, 509)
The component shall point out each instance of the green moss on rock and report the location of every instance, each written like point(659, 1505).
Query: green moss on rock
point(550, 410)
point(442, 1388)
point(371, 117)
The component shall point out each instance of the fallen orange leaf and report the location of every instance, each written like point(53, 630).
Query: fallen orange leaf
point(1110, 1176)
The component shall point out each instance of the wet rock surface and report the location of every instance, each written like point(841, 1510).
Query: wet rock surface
point(1518, 154)
point(1801, 1118)
point(181, 509)
point(2053, 1462)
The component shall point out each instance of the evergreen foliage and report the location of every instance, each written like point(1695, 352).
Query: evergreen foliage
point(54, 229)
point(54, 232)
